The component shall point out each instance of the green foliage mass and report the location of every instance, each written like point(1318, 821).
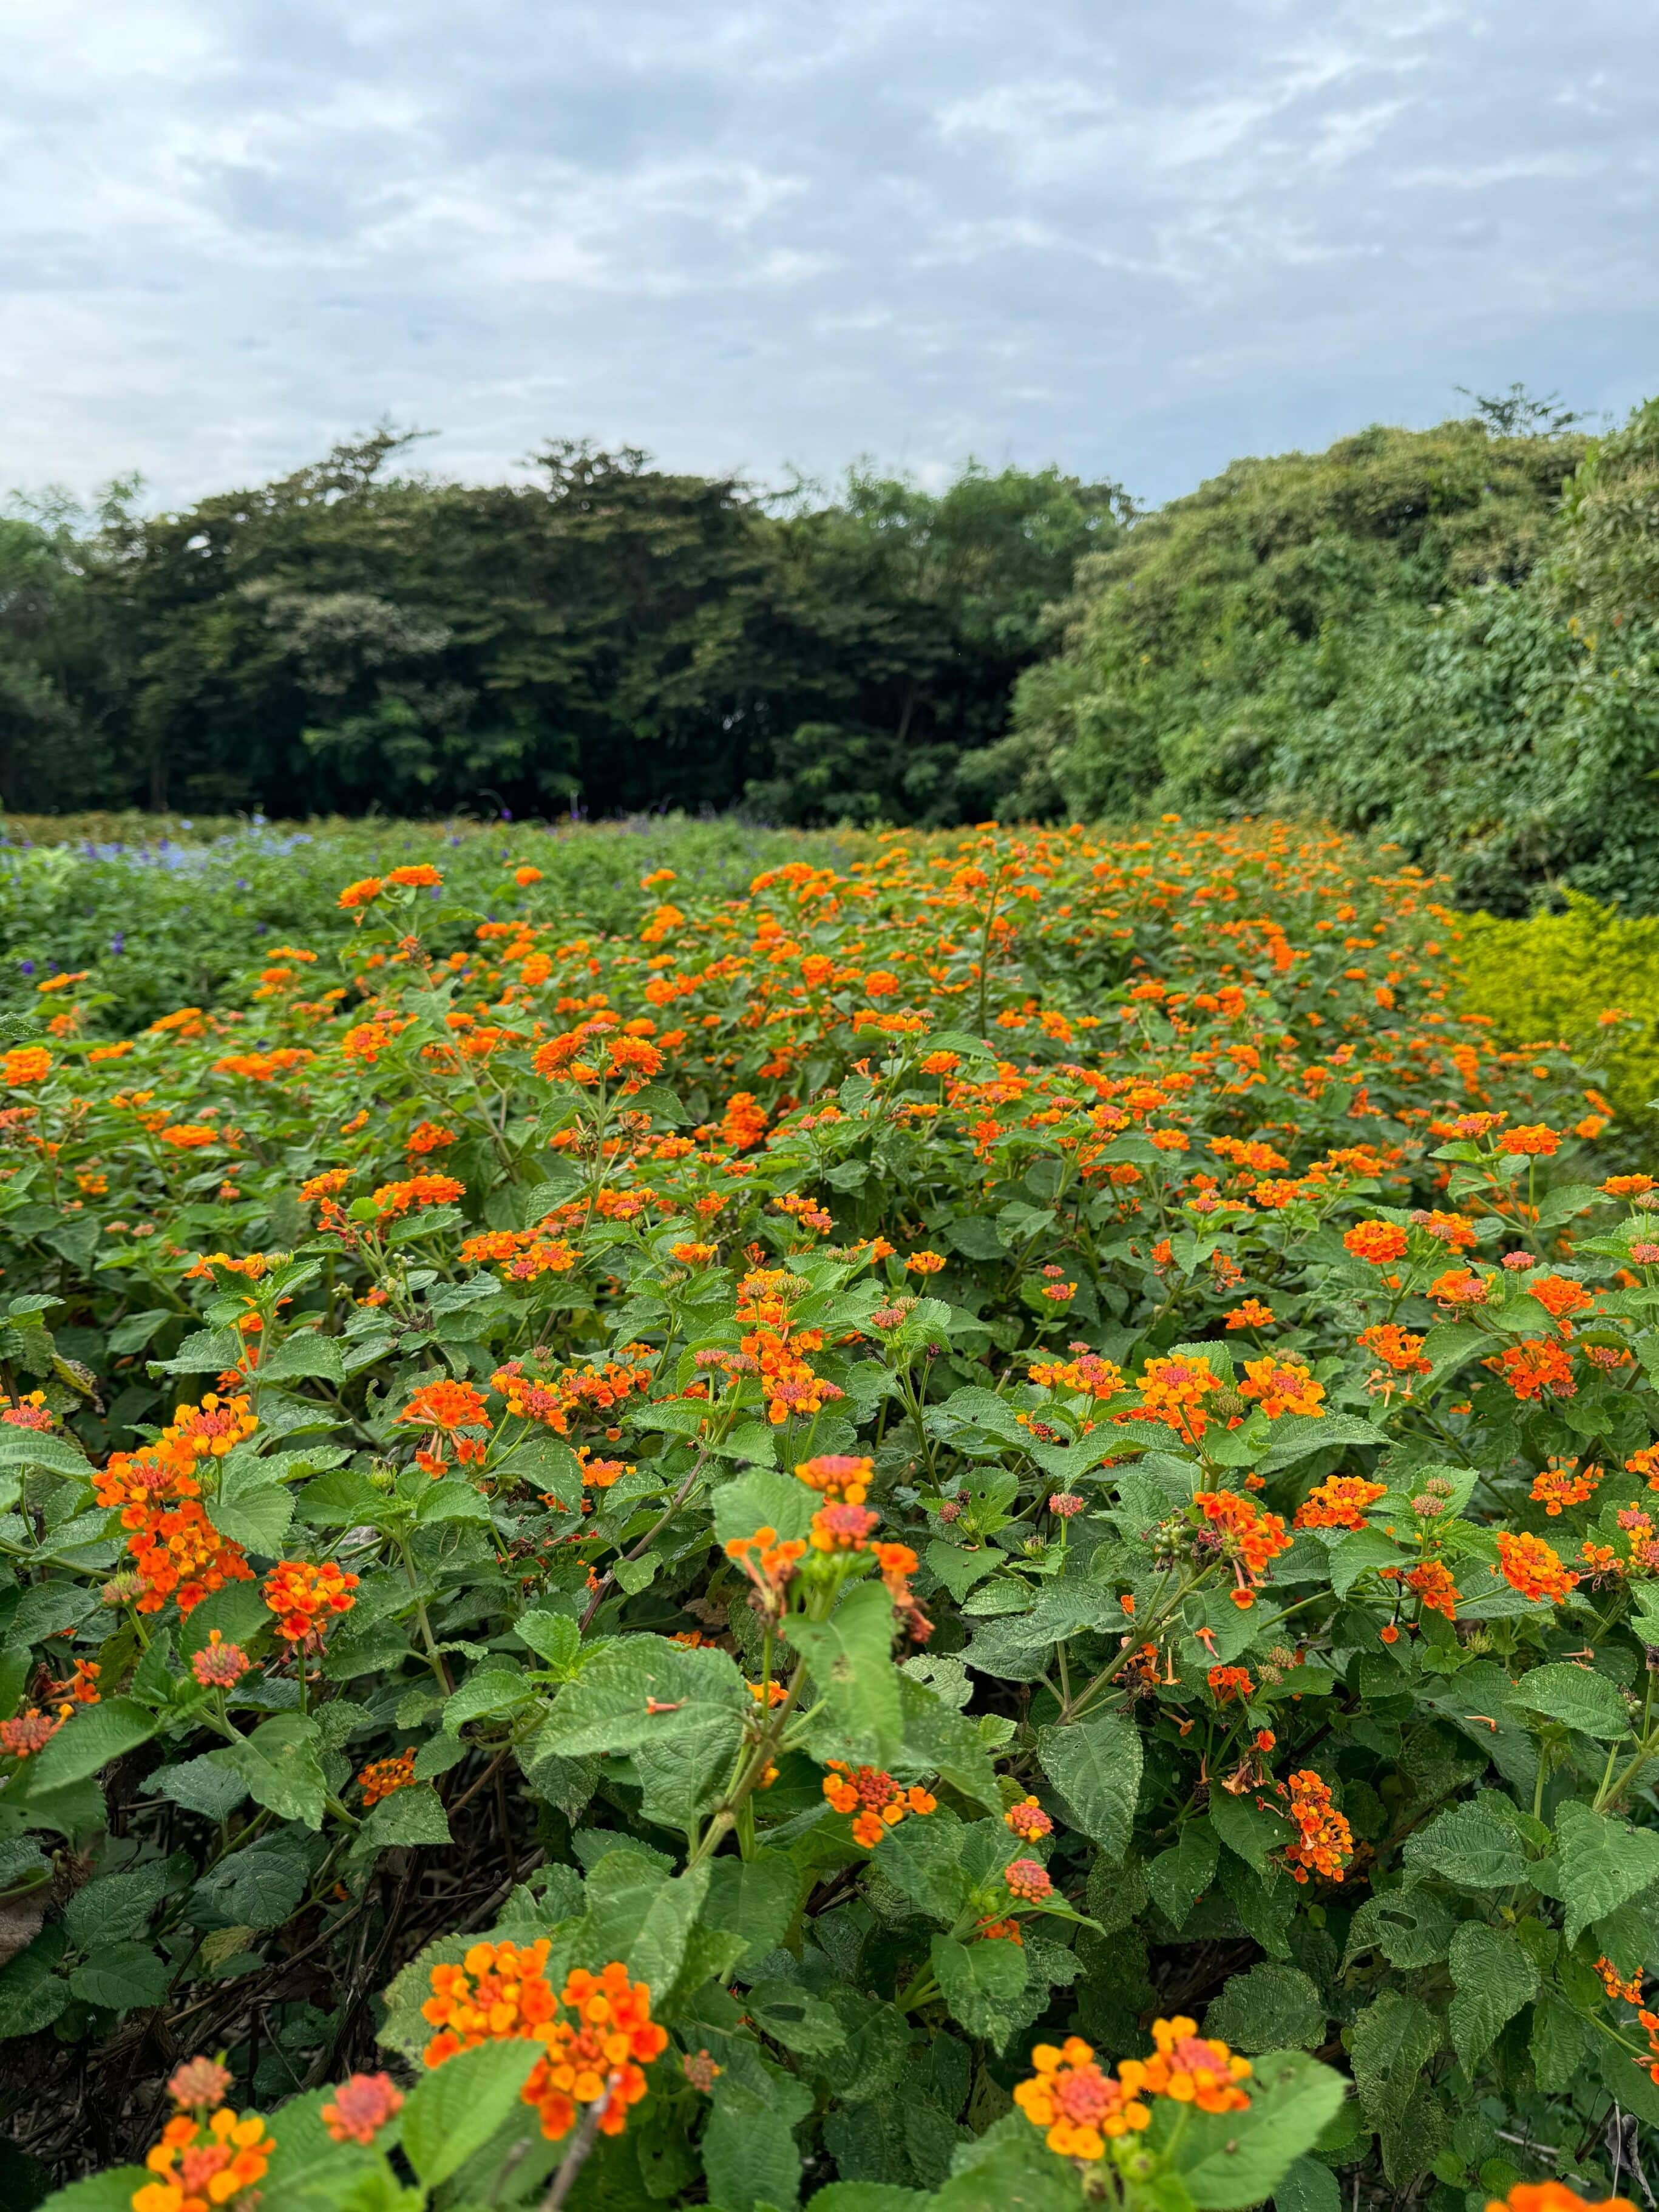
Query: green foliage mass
point(960, 1448)
point(1587, 977)
point(1446, 636)
point(160, 914)
point(359, 635)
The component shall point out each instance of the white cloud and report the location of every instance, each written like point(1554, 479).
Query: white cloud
point(1135, 239)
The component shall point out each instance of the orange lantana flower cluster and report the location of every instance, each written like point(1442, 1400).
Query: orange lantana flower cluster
point(1531, 1566)
point(1252, 1540)
point(1324, 1841)
point(1563, 1483)
point(1282, 1386)
point(304, 1597)
point(1081, 2109)
point(875, 1800)
point(595, 2056)
point(382, 1777)
point(392, 1200)
point(1400, 1349)
point(176, 1550)
point(1173, 1391)
point(1341, 1501)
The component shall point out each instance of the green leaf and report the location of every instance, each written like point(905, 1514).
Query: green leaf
point(100, 2192)
point(35, 1448)
point(31, 1995)
point(457, 2108)
point(638, 1914)
point(1358, 1555)
point(1493, 1978)
point(86, 1744)
point(959, 1569)
point(791, 2016)
point(201, 1787)
point(488, 1690)
point(342, 1499)
point(982, 1983)
point(412, 1815)
point(1558, 2044)
point(280, 1765)
point(1226, 2161)
point(1296, 1435)
point(307, 1353)
point(121, 1976)
point(1096, 1766)
point(1271, 2008)
point(763, 1498)
point(756, 1898)
point(1012, 2173)
point(452, 1501)
point(257, 1886)
point(749, 2150)
point(115, 1906)
point(1177, 1877)
point(553, 1637)
point(1472, 1849)
point(1409, 1927)
point(1307, 2186)
point(938, 1739)
point(209, 1351)
point(922, 1859)
point(1601, 1863)
point(1253, 1832)
point(254, 1514)
point(638, 1691)
point(133, 1334)
point(1391, 2043)
point(1577, 1698)
point(850, 1658)
point(1448, 1346)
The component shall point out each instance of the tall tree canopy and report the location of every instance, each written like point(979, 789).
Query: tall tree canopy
point(608, 634)
point(1451, 635)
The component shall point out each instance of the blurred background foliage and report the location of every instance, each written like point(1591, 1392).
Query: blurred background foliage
point(1446, 638)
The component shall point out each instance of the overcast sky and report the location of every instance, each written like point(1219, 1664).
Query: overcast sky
point(1134, 236)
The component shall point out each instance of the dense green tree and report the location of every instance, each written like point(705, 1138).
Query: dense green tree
point(608, 634)
point(1198, 645)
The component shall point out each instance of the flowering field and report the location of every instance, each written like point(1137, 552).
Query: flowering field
point(972, 1532)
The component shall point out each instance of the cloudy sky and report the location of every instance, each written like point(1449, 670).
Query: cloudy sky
point(1135, 236)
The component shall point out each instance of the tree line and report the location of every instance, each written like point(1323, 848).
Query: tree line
point(608, 636)
point(1449, 636)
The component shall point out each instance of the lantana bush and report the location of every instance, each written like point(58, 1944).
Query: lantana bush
point(977, 1530)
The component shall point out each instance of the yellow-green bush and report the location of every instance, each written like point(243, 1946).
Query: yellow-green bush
point(1561, 976)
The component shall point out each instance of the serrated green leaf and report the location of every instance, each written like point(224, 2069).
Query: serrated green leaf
point(982, 1983)
point(1096, 1766)
point(1601, 1863)
point(121, 1977)
point(1472, 1849)
point(756, 1898)
point(1271, 2008)
point(1577, 1698)
point(1177, 1877)
point(280, 1765)
point(1493, 1978)
point(850, 1659)
point(1226, 2161)
point(88, 1742)
point(411, 1815)
point(457, 2108)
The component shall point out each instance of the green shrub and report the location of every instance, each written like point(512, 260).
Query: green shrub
point(1587, 978)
